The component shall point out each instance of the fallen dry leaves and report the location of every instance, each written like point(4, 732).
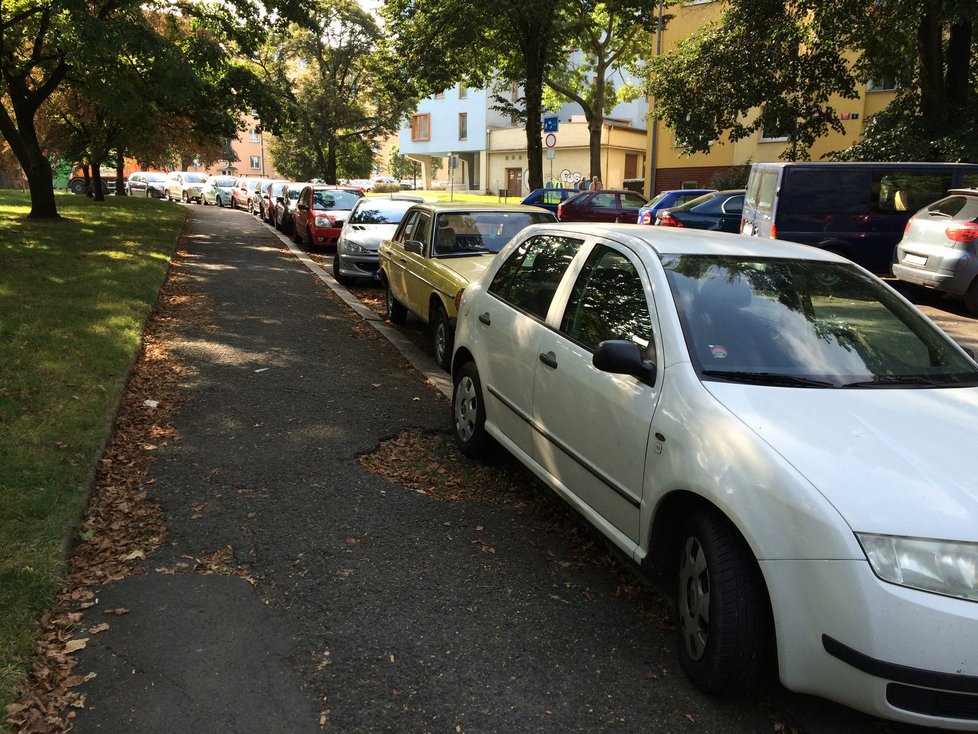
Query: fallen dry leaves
point(121, 525)
point(429, 463)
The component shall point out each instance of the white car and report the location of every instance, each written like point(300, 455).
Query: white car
point(185, 186)
point(770, 425)
point(373, 220)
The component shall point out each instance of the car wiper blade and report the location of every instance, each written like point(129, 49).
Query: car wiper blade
point(890, 380)
point(769, 378)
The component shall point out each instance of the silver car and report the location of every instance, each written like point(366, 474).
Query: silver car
point(938, 247)
point(217, 190)
point(372, 220)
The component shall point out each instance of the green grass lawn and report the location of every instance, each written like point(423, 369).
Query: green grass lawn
point(74, 299)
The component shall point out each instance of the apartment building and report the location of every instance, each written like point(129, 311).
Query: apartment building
point(670, 167)
point(488, 148)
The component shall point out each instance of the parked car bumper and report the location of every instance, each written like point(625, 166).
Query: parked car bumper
point(359, 266)
point(884, 649)
point(953, 273)
point(325, 235)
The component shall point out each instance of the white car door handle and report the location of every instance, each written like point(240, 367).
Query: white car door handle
point(485, 318)
point(549, 359)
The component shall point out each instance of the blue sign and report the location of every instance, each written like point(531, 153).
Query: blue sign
point(550, 124)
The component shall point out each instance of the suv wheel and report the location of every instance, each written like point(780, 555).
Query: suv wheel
point(971, 298)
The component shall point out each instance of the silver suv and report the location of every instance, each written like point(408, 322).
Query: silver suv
point(938, 247)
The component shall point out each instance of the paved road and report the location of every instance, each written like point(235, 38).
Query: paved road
point(374, 608)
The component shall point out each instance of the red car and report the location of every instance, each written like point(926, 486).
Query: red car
point(270, 191)
point(609, 205)
point(319, 214)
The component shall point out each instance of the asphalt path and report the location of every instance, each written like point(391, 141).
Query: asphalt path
point(366, 607)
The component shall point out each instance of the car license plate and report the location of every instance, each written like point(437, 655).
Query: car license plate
point(915, 259)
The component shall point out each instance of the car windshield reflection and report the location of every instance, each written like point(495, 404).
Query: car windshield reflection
point(806, 323)
point(476, 232)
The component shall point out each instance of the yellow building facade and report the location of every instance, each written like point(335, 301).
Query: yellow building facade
point(671, 168)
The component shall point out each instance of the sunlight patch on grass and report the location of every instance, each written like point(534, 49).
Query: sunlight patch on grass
point(74, 296)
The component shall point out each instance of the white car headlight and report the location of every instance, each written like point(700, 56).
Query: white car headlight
point(940, 566)
point(355, 248)
point(324, 221)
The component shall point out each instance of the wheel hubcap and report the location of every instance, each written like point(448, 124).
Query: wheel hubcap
point(466, 409)
point(694, 598)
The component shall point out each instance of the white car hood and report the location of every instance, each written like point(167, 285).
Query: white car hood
point(369, 235)
point(891, 461)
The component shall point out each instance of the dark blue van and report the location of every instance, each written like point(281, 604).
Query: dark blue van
point(858, 210)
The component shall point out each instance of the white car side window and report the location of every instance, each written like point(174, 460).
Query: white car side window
point(608, 302)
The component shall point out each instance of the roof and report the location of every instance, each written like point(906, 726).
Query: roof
point(677, 241)
point(473, 206)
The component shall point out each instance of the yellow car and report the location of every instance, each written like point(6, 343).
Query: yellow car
point(437, 250)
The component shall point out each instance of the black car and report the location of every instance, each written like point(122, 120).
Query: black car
point(718, 211)
point(146, 183)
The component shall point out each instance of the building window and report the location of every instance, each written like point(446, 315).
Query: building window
point(463, 126)
point(255, 162)
point(420, 127)
point(463, 91)
point(254, 136)
point(881, 85)
point(689, 185)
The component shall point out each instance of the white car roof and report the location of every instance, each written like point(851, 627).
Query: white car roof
point(678, 241)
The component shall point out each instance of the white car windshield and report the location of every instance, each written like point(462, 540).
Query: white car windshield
point(806, 323)
point(194, 177)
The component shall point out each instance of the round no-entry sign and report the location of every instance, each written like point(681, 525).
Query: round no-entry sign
point(550, 140)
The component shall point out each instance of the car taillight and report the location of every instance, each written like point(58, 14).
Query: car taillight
point(560, 211)
point(909, 222)
point(774, 231)
point(667, 220)
point(962, 232)
point(458, 298)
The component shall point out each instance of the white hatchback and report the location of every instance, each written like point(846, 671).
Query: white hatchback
point(769, 424)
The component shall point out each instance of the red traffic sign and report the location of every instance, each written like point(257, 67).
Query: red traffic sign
point(550, 140)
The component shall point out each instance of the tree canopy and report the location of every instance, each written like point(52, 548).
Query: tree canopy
point(446, 41)
point(337, 90)
point(613, 36)
point(775, 66)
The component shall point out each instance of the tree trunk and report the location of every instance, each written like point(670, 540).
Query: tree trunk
point(933, 98)
point(331, 162)
point(97, 192)
point(120, 174)
point(958, 65)
point(22, 139)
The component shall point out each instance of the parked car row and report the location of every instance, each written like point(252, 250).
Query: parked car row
point(732, 411)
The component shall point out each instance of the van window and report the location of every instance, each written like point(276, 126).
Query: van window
point(900, 191)
point(826, 190)
point(761, 189)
